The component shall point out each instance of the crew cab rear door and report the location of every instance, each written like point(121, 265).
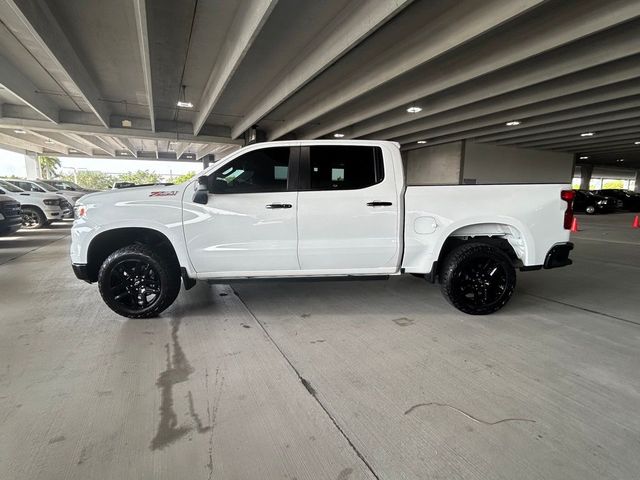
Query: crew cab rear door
point(248, 225)
point(347, 210)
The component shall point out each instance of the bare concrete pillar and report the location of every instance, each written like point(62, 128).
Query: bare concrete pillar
point(31, 165)
point(637, 187)
point(206, 160)
point(585, 176)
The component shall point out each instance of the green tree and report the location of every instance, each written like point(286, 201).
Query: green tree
point(49, 166)
point(613, 184)
point(139, 177)
point(183, 178)
point(91, 180)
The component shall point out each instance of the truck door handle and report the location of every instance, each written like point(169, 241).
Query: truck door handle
point(278, 205)
point(379, 204)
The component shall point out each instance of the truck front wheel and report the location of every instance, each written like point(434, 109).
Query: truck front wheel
point(136, 282)
point(477, 278)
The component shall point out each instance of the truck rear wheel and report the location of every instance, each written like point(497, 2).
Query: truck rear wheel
point(136, 282)
point(477, 278)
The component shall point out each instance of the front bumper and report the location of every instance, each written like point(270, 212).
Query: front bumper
point(81, 272)
point(558, 256)
point(10, 225)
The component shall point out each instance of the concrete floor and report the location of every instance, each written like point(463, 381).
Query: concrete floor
point(329, 380)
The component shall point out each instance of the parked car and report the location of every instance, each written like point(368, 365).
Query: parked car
point(630, 200)
point(70, 198)
point(590, 203)
point(10, 215)
point(316, 209)
point(37, 209)
point(65, 185)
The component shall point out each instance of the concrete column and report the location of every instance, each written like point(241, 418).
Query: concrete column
point(637, 188)
point(31, 165)
point(585, 176)
point(206, 160)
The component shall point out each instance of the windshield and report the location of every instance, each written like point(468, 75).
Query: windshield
point(46, 187)
point(59, 184)
point(10, 187)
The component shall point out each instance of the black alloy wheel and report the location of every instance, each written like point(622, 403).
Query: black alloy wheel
point(478, 279)
point(137, 281)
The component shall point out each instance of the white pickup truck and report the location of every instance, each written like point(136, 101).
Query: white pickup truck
point(319, 208)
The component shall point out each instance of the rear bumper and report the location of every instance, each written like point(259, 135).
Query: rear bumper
point(558, 256)
point(10, 225)
point(81, 272)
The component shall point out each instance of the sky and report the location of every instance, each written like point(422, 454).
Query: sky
point(13, 164)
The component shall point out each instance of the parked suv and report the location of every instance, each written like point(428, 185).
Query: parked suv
point(590, 203)
point(38, 209)
point(630, 200)
point(65, 185)
point(70, 198)
point(10, 215)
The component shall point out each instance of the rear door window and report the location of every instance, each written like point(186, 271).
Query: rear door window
point(344, 167)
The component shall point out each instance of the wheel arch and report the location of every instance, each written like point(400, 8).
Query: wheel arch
point(108, 241)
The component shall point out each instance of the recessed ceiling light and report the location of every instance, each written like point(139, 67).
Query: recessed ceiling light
point(20, 131)
point(636, 143)
point(49, 141)
point(414, 109)
point(422, 141)
point(584, 158)
point(587, 134)
point(620, 160)
point(338, 135)
point(182, 104)
point(122, 153)
point(126, 123)
point(513, 123)
point(71, 150)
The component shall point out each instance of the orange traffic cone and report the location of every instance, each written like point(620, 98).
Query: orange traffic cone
point(636, 223)
point(574, 225)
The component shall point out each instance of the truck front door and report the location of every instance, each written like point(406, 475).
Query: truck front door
point(248, 225)
point(347, 210)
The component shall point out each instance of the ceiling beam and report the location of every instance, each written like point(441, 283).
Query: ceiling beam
point(352, 26)
point(50, 143)
point(481, 101)
point(143, 42)
point(579, 142)
point(180, 148)
point(36, 17)
point(206, 150)
point(546, 32)
point(24, 89)
point(98, 143)
point(453, 27)
point(127, 145)
point(247, 23)
point(116, 132)
point(613, 120)
point(24, 144)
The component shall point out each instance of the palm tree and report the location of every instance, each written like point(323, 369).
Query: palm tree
point(48, 166)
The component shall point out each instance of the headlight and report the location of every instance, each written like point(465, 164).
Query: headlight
point(80, 211)
point(52, 202)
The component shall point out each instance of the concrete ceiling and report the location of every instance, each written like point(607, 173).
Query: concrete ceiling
point(72, 71)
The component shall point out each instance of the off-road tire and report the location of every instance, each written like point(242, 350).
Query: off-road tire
point(474, 268)
point(166, 277)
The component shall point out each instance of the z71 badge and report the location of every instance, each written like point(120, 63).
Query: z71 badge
point(163, 194)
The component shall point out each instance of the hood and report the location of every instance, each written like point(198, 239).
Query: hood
point(38, 195)
point(153, 192)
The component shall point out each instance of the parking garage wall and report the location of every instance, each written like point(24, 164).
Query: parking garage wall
point(484, 164)
point(436, 165)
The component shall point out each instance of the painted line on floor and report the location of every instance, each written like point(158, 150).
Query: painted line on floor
point(309, 388)
point(622, 242)
point(584, 309)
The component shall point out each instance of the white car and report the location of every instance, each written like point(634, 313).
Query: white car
point(322, 208)
point(40, 186)
point(38, 209)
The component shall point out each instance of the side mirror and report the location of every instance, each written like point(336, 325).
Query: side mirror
point(201, 195)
